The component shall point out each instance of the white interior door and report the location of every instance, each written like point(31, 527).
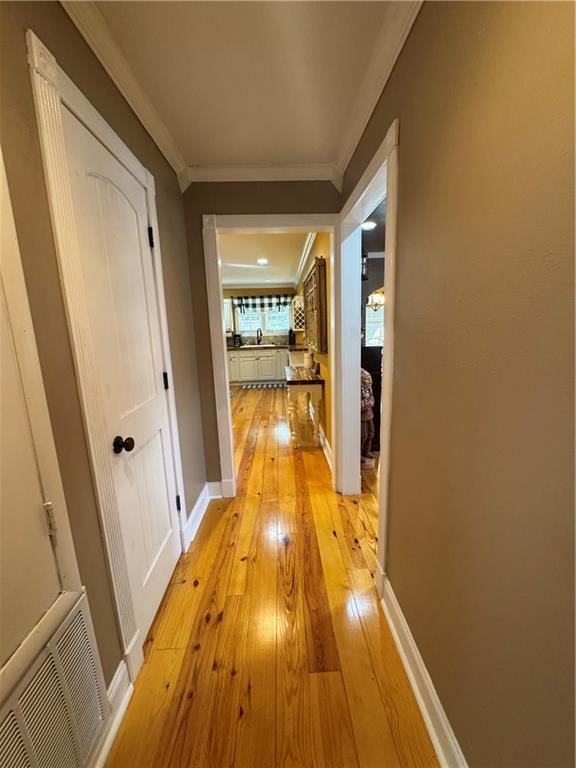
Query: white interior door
point(39, 578)
point(122, 294)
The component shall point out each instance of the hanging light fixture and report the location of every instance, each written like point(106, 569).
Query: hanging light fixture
point(376, 300)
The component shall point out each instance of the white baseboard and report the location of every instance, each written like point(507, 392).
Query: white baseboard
point(225, 489)
point(120, 692)
point(209, 491)
point(228, 489)
point(214, 490)
point(445, 743)
point(326, 448)
point(195, 518)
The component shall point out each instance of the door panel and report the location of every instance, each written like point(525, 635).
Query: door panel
point(122, 297)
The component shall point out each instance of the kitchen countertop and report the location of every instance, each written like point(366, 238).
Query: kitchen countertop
point(298, 374)
point(295, 348)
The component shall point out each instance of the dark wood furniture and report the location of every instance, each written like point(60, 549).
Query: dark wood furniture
point(315, 307)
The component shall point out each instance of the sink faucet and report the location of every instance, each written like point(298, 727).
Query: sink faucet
point(259, 336)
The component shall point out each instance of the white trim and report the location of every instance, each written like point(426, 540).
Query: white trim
point(276, 223)
point(395, 29)
point(377, 255)
point(119, 687)
point(445, 743)
point(215, 490)
point(240, 224)
point(195, 517)
point(357, 207)
point(246, 173)
point(93, 28)
point(170, 392)
point(397, 24)
point(219, 356)
point(53, 91)
point(347, 315)
point(308, 243)
point(326, 448)
point(379, 180)
point(120, 692)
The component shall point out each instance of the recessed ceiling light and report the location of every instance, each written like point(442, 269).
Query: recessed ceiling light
point(368, 226)
point(262, 261)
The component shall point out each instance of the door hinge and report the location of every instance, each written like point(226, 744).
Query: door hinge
point(165, 377)
point(49, 507)
point(178, 505)
point(151, 237)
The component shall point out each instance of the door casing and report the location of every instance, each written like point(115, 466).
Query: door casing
point(246, 224)
point(379, 181)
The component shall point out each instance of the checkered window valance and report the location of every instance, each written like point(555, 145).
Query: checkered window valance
point(244, 303)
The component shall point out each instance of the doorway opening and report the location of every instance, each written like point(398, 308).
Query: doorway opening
point(256, 270)
point(375, 196)
point(371, 349)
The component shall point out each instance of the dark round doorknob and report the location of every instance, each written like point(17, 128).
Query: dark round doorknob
point(120, 444)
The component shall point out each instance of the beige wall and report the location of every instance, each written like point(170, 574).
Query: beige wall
point(269, 290)
point(321, 248)
point(25, 178)
point(236, 198)
point(481, 517)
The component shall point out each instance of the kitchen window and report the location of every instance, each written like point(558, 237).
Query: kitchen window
point(272, 321)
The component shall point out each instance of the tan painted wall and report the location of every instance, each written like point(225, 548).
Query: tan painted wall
point(269, 290)
point(321, 248)
point(19, 139)
point(481, 526)
point(236, 198)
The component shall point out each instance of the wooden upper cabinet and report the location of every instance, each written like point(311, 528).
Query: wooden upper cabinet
point(315, 307)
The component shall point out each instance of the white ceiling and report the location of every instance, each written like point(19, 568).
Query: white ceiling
point(250, 90)
point(239, 254)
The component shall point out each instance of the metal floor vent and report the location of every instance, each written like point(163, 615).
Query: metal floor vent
point(54, 717)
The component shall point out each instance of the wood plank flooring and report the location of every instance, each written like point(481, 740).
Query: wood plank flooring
point(270, 647)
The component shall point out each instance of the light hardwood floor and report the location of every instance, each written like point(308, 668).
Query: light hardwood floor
point(270, 647)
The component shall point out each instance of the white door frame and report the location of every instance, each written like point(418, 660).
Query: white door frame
point(379, 181)
point(245, 224)
point(53, 91)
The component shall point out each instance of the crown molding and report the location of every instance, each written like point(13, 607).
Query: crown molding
point(93, 28)
point(308, 243)
point(296, 172)
point(390, 41)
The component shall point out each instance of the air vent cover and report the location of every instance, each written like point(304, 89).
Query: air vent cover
point(12, 748)
point(57, 713)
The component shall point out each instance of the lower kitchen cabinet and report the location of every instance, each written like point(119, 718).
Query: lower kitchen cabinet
point(257, 365)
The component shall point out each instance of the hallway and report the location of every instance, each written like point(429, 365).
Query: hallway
point(270, 647)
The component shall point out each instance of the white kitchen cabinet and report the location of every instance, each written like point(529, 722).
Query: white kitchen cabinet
point(233, 374)
point(266, 366)
point(247, 367)
point(257, 365)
